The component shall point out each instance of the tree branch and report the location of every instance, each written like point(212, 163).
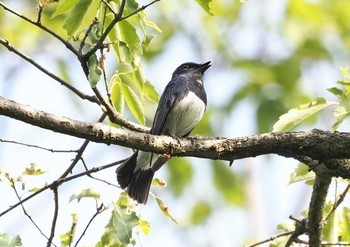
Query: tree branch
point(60, 181)
point(54, 187)
point(39, 25)
point(316, 144)
point(316, 207)
point(42, 69)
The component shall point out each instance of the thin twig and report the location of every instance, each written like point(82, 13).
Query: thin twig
point(139, 9)
point(102, 66)
point(116, 117)
point(38, 147)
point(72, 230)
point(99, 210)
point(80, 152)
point(40, 11)
point(116, 19)
point(271, 239)
point(26, 213)
point(338, 243)
point(97, 179)
point(337, 203)
point(39, 25)
point(42, 69)
point(82, 43)
point(324, 243)
point(54, 187)
point(61, 181)
point(109, 7)
point(300, 229)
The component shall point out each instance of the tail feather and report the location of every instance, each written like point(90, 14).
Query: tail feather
point(126, 171)
point(137, 183)
point(140, 185)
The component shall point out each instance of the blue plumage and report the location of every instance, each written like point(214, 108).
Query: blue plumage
point(181, 107)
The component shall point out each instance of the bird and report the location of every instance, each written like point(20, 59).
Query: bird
point(180, 108)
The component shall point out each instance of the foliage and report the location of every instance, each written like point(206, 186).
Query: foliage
point(269, 70)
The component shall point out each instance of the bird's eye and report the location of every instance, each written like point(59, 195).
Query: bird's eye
point(186, 66)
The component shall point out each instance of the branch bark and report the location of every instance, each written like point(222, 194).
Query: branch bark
point(311, 145)
point(316, 207)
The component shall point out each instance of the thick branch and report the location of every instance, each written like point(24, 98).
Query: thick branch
point(316, 144)
point(317, 203)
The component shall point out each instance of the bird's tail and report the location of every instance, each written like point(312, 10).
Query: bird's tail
point(137, 183)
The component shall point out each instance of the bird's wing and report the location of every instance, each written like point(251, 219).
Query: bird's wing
point(174, 90)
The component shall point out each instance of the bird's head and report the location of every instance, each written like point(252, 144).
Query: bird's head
point(193, 69)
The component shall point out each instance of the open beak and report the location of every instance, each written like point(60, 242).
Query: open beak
point(205, 66)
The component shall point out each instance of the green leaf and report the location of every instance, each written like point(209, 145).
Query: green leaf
point(152, 25)
point(35, 189)
point(32, 170)
point(117, 95)
point(331, 229)
point(200, 213)
point(280, 242)
point(76, 16)
point(345, 71)
point(118, 231)
point(296, 116)
point(229, 184)
point(95, 33)
point(301, 173)
point(159, 182)
point(8, 241)
point(341, 112)
point(64, 7)
point(95, 71)
point(145, 226)
point(181, 173)
point(165, 210)
point(150, 91)
point(287, 226)
point(68, 237)
point(127, 34)
point(345, 224)
point(205, 5)
point(85, 193)
point(336, 91)
point(133, 102)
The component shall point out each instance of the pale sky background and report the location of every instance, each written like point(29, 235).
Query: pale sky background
point(273, 201)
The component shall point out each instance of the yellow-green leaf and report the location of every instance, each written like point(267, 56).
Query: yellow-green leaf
point(145, 226)
point(118, 231)
point(165, 210)
point(85, 193)
point(150, 91)
point(117, 96)
point(205, 5)
point(32, 170)
point(68, 237)
point(133, 102)
point(9, 241)
point(301, 173)
point(64, 7)
point(95, 71)
point(76, 16)
point(200, 213)
point(296, 116)
point(346, 224)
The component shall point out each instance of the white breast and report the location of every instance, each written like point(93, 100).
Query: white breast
point(185, 115)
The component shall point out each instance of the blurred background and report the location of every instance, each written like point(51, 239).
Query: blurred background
point(267, 56)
